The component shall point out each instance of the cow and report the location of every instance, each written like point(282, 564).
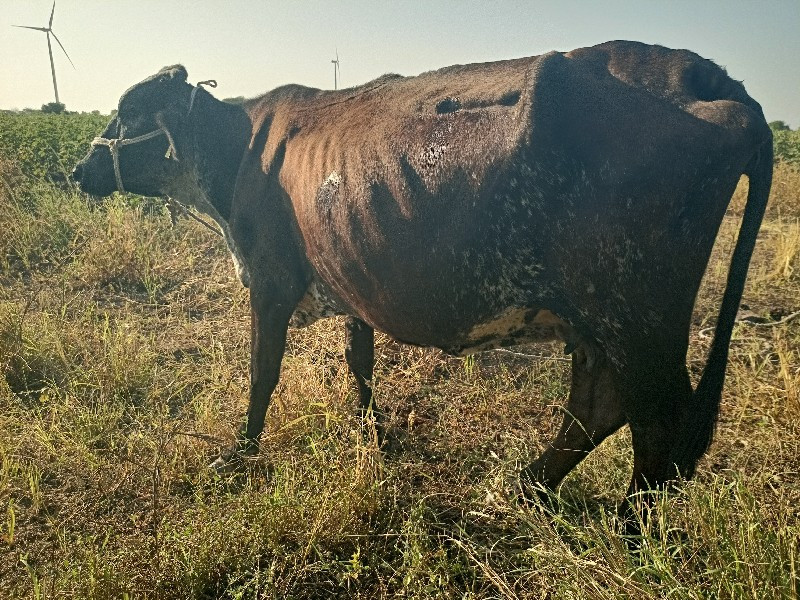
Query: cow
point(568, 196)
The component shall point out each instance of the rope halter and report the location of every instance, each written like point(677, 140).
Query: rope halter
point(209, 82)
point(114, 144)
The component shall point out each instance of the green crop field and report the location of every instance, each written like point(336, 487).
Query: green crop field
point(47, 145)
point(123, 369)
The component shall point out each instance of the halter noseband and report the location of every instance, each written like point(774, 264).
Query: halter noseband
point(115, 144)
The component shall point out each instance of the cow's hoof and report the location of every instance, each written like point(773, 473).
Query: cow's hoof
point(531, 490)
point(227, 463)
point(233, 459)
point(536, 495)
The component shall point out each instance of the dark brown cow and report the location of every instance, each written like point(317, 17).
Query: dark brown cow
point(572, 195)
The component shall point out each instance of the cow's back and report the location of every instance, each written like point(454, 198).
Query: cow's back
point(463, 119)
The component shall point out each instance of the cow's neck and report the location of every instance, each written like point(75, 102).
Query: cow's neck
point(218, 135)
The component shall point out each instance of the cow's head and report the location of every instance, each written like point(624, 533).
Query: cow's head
point(147, 144)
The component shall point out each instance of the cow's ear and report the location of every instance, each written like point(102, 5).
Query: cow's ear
point(175, 73)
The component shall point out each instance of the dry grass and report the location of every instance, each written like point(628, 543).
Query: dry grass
point(123, 348)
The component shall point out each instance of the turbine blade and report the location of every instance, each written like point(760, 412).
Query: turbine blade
point(65, 52)
point(29, 27)
point(52, 12)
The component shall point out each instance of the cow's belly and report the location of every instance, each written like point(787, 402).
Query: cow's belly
point(318, 303)
point(515, 326)
point(508, 327)
point(467, 305)
point(512, 327)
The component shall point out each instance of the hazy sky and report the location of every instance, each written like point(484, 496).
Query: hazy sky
point(253, 46)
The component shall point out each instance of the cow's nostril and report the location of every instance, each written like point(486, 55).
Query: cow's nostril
point(77, 173)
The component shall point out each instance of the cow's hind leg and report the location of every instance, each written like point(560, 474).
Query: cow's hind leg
point(594, 411)
point(658, 404)
point(359, 352)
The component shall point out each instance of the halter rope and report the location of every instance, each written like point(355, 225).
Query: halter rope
point(115, 144)
point(209, 82)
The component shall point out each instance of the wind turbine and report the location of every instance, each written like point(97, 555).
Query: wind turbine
point(336, 71)
point(49, 31)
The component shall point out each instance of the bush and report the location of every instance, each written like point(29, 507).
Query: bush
point(55, 108)
point(787, 145)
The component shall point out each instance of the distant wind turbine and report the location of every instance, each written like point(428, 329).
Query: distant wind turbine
point(336, 71)
point(49, 31)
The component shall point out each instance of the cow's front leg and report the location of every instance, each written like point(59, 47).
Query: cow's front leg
point(269, 318)
point(359, 352)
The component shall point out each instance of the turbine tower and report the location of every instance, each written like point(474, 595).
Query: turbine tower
point(336, 71)
point(49, 31)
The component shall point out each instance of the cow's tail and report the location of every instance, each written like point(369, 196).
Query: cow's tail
point(701, 414)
